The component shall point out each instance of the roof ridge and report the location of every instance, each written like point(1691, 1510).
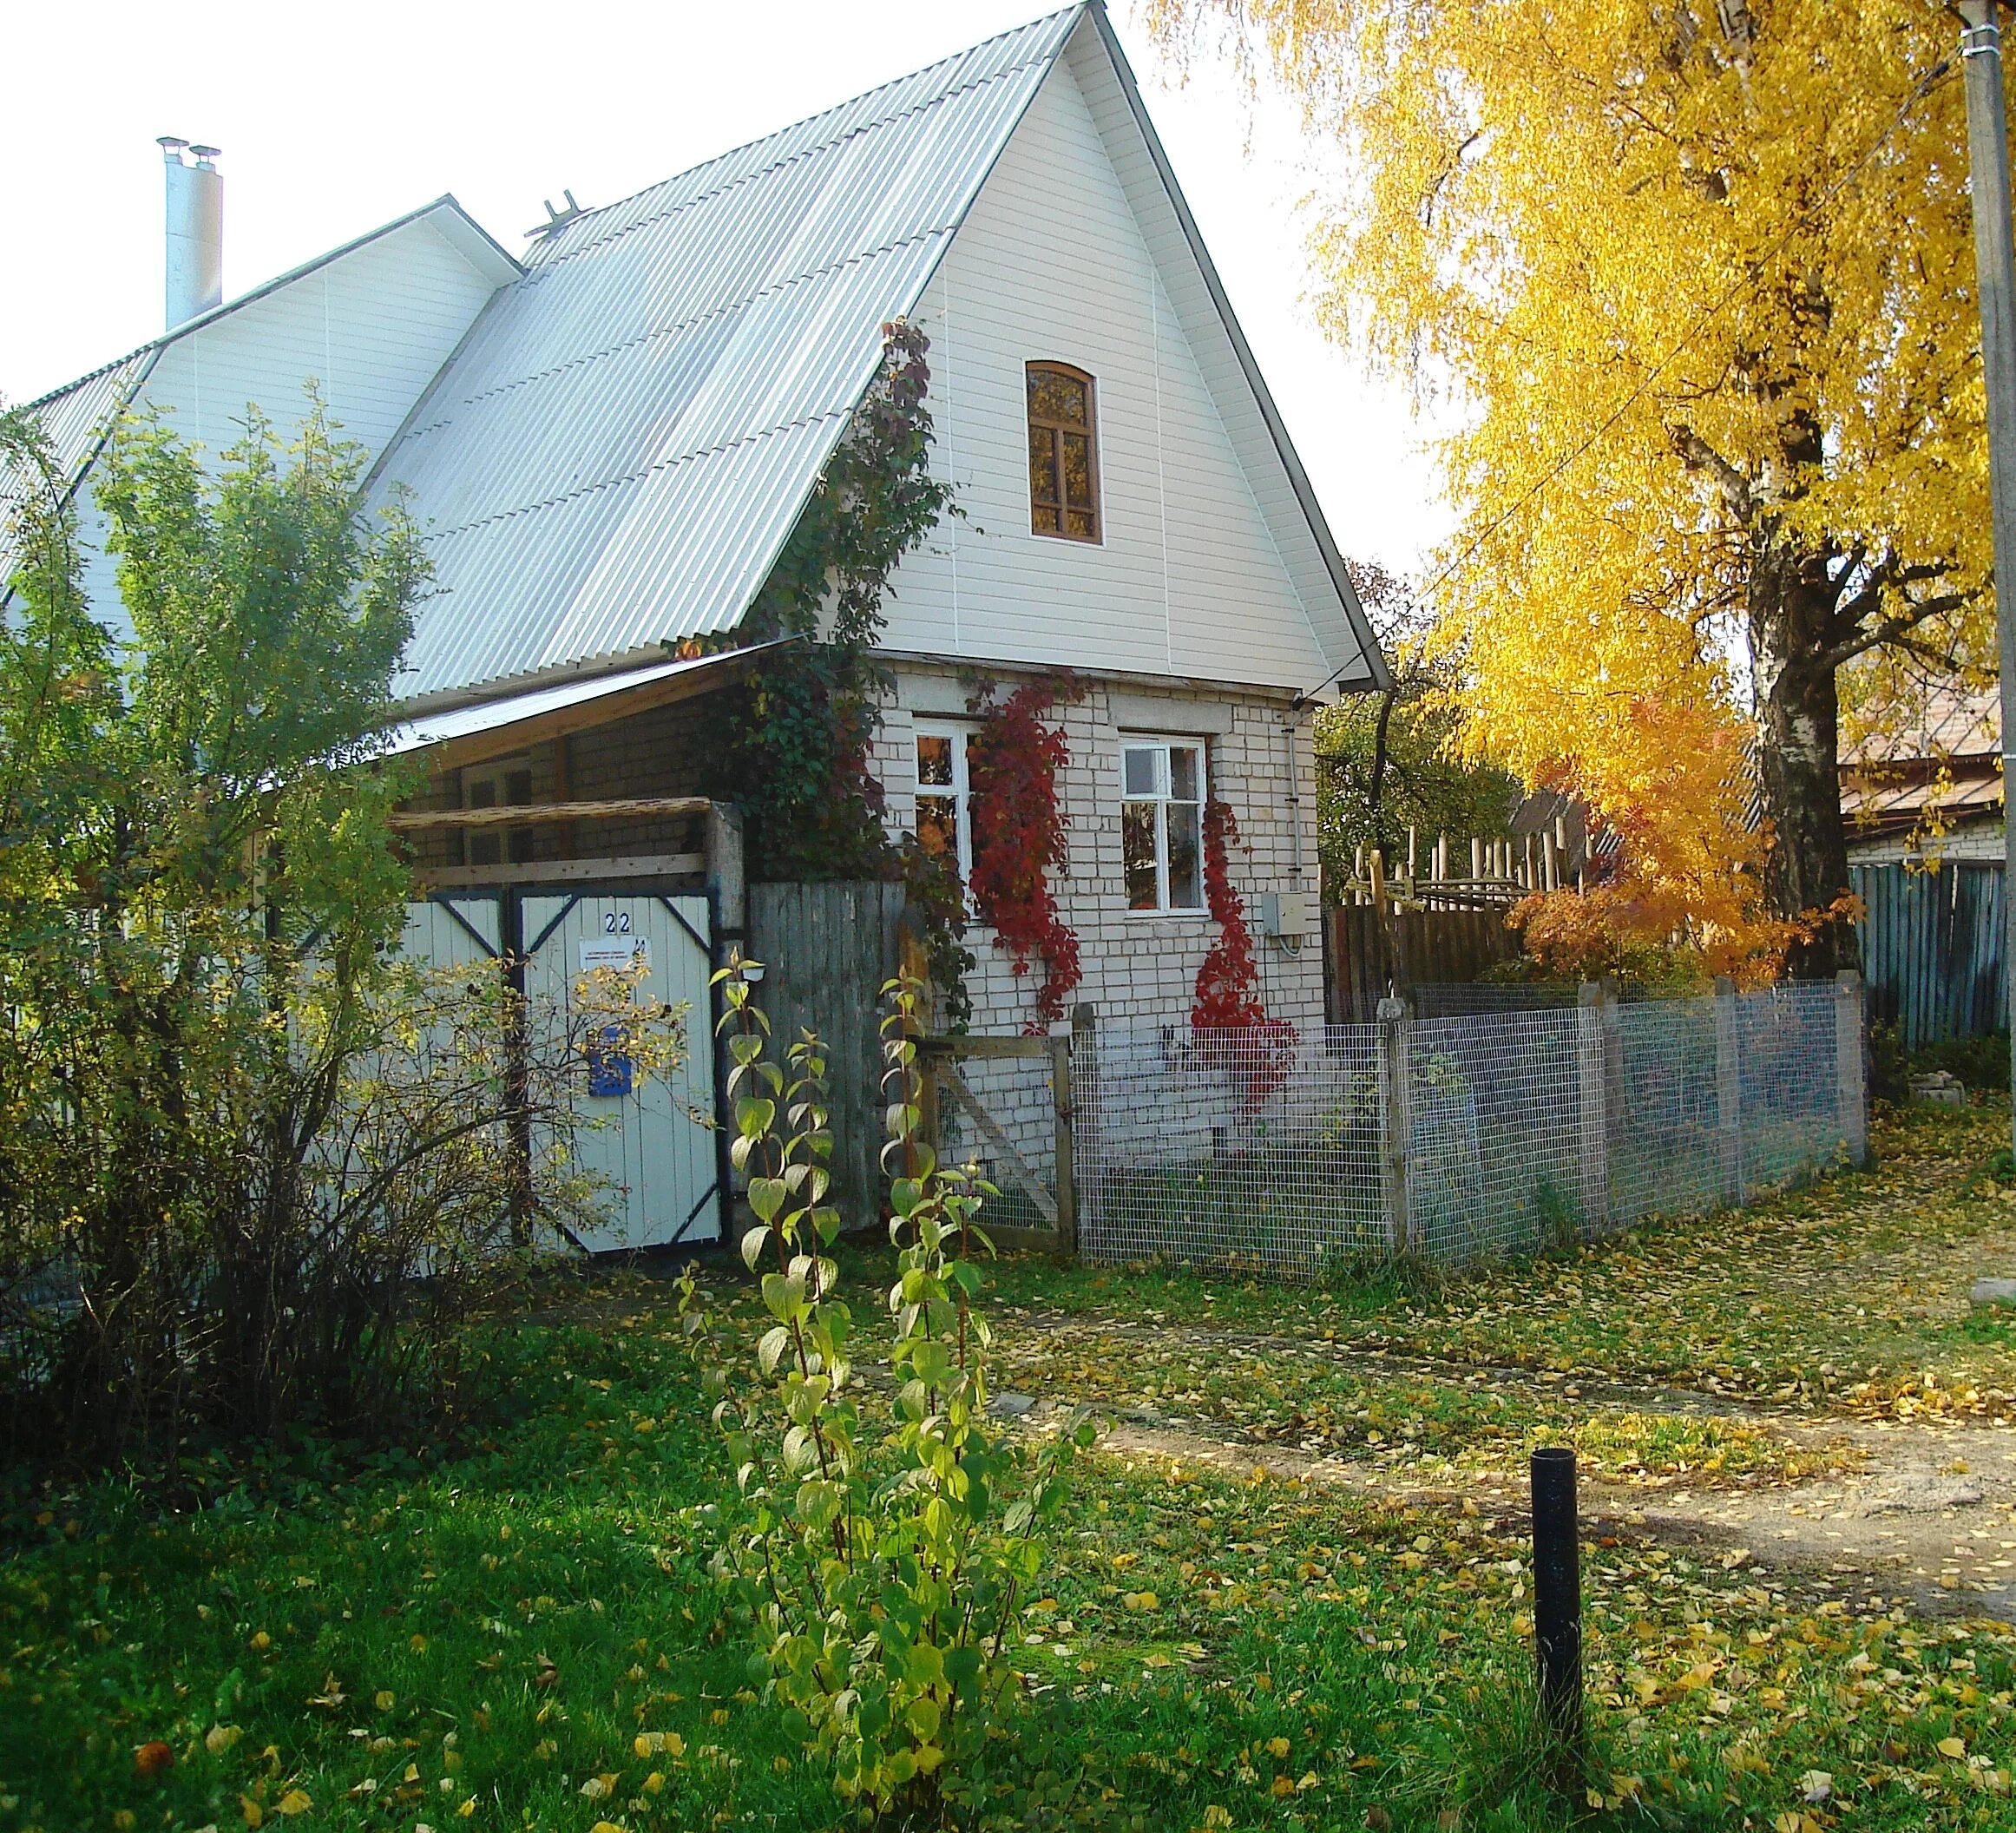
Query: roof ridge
point(537, 265)
point(92, 375)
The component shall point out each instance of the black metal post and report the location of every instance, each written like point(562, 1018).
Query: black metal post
point(1557, 1590)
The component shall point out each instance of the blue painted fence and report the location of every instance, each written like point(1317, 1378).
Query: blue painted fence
point(1932, 949)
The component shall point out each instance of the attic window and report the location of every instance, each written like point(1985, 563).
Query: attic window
point(1063, 453)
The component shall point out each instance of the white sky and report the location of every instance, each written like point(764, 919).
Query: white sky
point(334, 118)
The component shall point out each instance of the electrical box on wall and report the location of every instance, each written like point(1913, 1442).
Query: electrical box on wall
point(1287, 913)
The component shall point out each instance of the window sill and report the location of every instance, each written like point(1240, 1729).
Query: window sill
point(1195, 915)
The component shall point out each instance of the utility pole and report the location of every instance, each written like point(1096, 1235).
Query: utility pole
point(1980, 47)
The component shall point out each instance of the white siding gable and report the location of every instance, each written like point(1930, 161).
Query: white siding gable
point(370, 327)
point(1188, 579)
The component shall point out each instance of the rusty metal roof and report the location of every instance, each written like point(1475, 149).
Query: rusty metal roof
point(623, 443)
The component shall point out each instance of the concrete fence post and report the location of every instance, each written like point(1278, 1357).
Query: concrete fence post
point(1852, 1083)
point(1728, 1093)
point(1395, 1120)
point(1591, 1056)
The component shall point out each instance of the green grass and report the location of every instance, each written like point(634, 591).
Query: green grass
point(508, 1618)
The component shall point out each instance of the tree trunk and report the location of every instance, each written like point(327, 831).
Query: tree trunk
point(1792, 610)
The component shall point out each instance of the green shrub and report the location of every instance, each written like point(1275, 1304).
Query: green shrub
point(882, 1559)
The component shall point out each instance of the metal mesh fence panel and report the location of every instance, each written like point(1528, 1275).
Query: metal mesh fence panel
point(1465, 998)
point(1000, 1114)
point(1662, 1124)
point(1458, 1139)
point(1791, 1107)
point(1495, 1160)
point(1230, 1150)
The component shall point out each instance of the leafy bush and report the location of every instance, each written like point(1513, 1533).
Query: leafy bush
point(883, 1559)
point(255, 1167)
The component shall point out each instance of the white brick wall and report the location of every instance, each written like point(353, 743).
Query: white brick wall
point(1141, 969)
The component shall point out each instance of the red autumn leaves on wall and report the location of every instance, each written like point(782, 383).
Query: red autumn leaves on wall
point(1013, 761)
point(1228, 983)
point(1018, 836)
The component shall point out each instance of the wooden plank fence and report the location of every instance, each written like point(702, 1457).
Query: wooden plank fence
point(1371, 947)
point(1932, 949)
point(826, 951)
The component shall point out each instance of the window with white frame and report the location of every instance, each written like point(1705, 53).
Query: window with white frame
point(1162, 823)
point(944, 821)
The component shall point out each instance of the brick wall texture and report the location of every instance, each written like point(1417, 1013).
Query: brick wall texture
point(1141, 969)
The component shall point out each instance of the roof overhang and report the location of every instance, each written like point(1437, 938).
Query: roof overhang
point(510, 723)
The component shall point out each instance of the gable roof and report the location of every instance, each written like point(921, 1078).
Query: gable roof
point(622, 446)
point(618, 453)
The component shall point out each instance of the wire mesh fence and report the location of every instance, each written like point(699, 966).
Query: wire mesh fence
point(1489, 1135)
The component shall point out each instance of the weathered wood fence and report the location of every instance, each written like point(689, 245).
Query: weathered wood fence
point(1370, 949)
point(1932, 949)
point(826, 951)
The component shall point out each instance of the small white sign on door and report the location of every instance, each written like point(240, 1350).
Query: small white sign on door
point(614, 951)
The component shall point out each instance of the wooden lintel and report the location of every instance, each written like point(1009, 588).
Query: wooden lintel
point(525, 814)
point(984, 1046)
point(564, 872)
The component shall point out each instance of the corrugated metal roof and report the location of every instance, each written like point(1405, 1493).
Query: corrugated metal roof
point(74, 420)
point(621, 447)
point(450, 724)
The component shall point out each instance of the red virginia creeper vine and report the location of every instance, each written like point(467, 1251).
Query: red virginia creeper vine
point(1228, 983)
point(1018, 835)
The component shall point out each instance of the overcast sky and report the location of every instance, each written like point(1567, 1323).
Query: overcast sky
point(334, 118)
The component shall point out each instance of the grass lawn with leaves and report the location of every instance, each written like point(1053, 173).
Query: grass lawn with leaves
point(522, 1634)
point(1850, 1295)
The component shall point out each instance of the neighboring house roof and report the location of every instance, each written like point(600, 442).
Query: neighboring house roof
point(618, 453)
point(1940, 768)
point(1951, 722)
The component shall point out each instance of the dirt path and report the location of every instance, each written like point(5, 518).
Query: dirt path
point(1928, 1518)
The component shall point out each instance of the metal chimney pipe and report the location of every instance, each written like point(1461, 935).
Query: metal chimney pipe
point(195, 231)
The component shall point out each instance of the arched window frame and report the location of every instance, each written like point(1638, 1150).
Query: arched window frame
point(1047, 431)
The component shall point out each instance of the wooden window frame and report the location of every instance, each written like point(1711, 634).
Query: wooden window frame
point(511, 845)
point(1057, 430)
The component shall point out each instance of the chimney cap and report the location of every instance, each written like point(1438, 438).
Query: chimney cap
point(171, 146)
point(205, 154)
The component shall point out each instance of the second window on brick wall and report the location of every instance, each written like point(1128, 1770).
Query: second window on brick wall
point(944, 799)
point(1162, 824)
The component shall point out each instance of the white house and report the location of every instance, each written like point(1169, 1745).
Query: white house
point(609, 439)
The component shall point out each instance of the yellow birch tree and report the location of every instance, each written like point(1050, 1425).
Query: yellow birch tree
point(1700, 277)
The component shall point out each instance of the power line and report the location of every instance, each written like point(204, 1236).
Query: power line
point(1920, 90)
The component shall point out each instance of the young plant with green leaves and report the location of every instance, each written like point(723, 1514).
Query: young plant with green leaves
point(882, 1560)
